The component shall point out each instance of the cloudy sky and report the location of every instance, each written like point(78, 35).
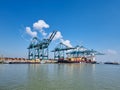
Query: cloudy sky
point(92, 23)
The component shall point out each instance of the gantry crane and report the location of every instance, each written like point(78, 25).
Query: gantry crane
point(38, 49)
point(81, 51)
point(59, 51)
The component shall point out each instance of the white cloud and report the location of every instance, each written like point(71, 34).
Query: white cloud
point(110, 56)
point(28, 31)
point(40, 25)
point(111, 52)
point(66, 42)
point(58, 36)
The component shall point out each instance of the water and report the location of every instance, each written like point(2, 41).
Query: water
point(59, 77)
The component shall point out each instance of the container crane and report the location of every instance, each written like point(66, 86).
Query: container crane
point(38, 49)
point(59, 51)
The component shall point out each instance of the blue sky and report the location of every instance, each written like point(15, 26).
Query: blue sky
point(95, 23)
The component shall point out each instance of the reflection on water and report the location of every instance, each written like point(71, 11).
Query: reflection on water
point(59, 77)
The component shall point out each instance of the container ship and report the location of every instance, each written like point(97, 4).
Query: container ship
point(77, 60)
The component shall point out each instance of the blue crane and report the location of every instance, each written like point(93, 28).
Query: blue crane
point(38, 49)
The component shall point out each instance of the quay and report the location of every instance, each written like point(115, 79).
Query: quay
point(7, 60)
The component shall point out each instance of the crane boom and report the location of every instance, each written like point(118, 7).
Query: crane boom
point(52, 36)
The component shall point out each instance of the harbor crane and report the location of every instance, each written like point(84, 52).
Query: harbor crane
point(38, 49)
point(81, 51)
point(59, 51)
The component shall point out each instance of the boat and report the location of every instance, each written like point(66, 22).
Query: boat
point(113, 63)
point(76, 60)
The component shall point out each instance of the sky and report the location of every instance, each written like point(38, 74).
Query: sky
point(92, 23)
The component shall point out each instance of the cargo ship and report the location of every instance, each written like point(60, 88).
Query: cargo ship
point(77, 60)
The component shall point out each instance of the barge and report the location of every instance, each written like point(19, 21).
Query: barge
point(113, 63)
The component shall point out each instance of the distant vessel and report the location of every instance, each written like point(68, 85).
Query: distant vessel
point(114, 63)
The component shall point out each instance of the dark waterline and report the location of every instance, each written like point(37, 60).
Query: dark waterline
point(59, 77)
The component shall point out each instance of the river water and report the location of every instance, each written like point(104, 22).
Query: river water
point(59, 77)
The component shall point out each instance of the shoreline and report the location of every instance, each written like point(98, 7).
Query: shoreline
point(26, 61)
